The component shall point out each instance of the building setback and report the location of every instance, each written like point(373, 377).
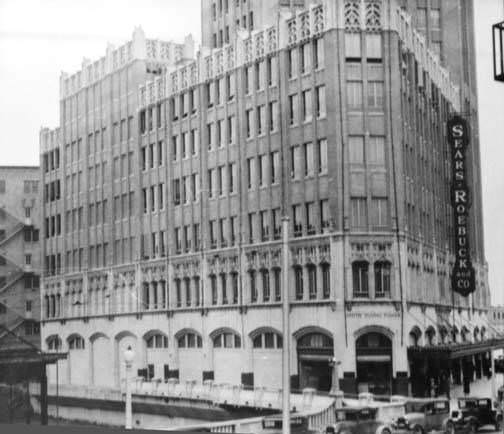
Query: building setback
point(334, 116)
point(19, 256)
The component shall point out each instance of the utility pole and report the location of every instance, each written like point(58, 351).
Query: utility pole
point(286, 328)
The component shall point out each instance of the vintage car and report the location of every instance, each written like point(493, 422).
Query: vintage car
point(358, 420)
point(423, 415)
point(473, 414)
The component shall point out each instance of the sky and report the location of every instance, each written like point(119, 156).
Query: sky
point(41, 38)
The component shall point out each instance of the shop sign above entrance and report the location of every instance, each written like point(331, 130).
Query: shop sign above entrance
point(463, 275)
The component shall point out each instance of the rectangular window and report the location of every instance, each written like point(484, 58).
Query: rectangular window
point(210, 132)
point(251, 224)
point(274, 167)
point(293, 109)
point(277, 223)
point(356, 149)
point(160, 154)
point(435, 19)
point(196, 236)
point(264, 222)
point(353, 46)
point(376, 150)
point(292, 62)
point(421, 17)
point(309, 160)
point(379, 212)
point(211, 183)
point(319, 54)
point(250, 172)
point(213, 238)
point(262, 169)
point(310, 218)
point(359, 212)
point(160, 196)
point(248, 80)
point(194, 142)
point(230, 83)
point(322, 156)
point(176, 194)
point(375, 94)
point(305, 57)
point(249, 122)
point(297, 221)
point(273, 116)
point(373, 46)
point(354, 94)
point(324, 214)
point(230, 129)
point(296, 162)
point(320, 96)
point(307, 106)
point(233, 229)
point(261, 119)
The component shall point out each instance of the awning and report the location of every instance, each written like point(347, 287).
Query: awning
point(28, 356)
point(455, 350)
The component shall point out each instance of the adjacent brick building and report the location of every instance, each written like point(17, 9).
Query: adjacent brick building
point(19, 256)
point(333, 114)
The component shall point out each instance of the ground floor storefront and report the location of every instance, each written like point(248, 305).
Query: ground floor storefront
point(377, 348)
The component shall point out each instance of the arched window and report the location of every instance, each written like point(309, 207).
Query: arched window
point(360, 279)
point(382, 279)
point(190, 340)
point(268, 340)
point(430, 333)
point(414, 336)
point(157, 341)
point(76, 343)
point(227, 340)
point(54, 343)
point(476, 334)
point(315, 340)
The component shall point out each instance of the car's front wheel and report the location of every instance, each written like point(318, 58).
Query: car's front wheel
point(450, 427)
point(418, 429)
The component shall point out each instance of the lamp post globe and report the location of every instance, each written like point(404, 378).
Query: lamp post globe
point(129, 355)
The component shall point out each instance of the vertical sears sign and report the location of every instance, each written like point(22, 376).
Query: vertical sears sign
point(462, 279)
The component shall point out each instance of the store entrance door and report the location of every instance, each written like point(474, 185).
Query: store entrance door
point(315, 351)
point(374, 364)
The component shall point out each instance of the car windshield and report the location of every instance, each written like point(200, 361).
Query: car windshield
point(415, 407)
point(366, 415)
point(467, 404)
point(350, 415)
point(484, 403)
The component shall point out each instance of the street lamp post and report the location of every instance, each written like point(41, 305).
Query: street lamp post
point(286, 428)
point(128, 359)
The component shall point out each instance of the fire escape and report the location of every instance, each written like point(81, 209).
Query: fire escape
point(13, 267)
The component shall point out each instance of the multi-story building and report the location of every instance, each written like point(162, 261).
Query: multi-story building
point(333, 114)
point(19, 256)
